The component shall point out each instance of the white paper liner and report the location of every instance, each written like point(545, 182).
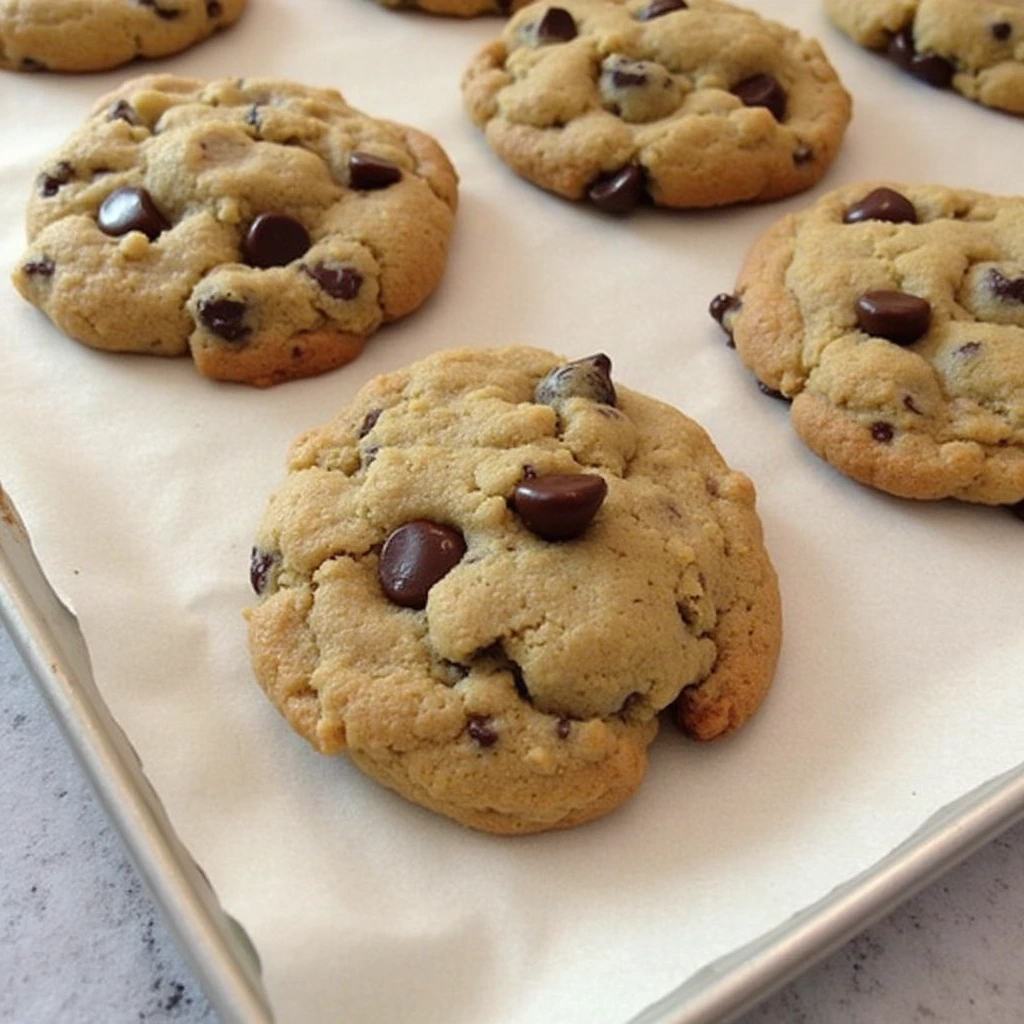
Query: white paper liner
point(899, 688)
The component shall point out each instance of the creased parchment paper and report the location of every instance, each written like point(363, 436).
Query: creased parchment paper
point(900, 686)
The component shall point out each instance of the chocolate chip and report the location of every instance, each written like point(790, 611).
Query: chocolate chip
point(368, 172)
point(168, 14)
point(721, 305)
point(31, 64)
point(275, 240)
point(50, 184)
point(339, 282)
point(590, 377)
point(762, 91)
point(1006, 288)
point(623, 79)
point(225, 318)
point(620, 191)
point(41, 266)
point(772, 392)
point(563, 727)
point(369, 422)
point(928, 67)
point(969, 349)
point(130, 209)
point(895, 316)
point(415, 557)
point(214, 9)
point(261, 566)
point(122, 110)
point(802, 155)
point(882, 432)
point(910, 405)
point(557, 26)
point(559, 506)
point(481, 730)
point(882, 204)
point(1001, 30)
point(657, 8)
point(252, 117)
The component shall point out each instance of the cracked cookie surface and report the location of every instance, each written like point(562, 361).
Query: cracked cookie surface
point(975, 48)
point(686, 104)
point(416, 614)
point(262, 226)
point(893, 317)
point(94, 35)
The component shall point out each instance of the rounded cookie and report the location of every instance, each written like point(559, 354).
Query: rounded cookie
point(686, 104)
point(976, 48)
point(892, 316)
point(486, 577)
point(93, 35)
point(266, 227)
point(457, 8)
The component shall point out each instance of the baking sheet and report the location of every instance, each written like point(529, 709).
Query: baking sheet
point(899, 686)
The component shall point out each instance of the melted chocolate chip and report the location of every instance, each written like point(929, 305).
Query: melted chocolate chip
point(882, 432)
point(275, 240)
point(895, 316)
point(557, 26)
point(122, 110)
point(415, 557)
point(721, 305)
point(369, 422)
point(1009, 289)
point(225, 318)
point(762, 91)
point(803, 154)
point(882, 204)
point(261, 565)
point(559, 506)
point(367, 172)
point(41, 266)
point(620, 191)
point(130, 209)
point(1001, 30)
point(50, 184)
point(928, 67)
point(590, 377)
point(339, 282)
point(772, 392)
point(658, 8)
point(214, 9)
point(621, 79)
point(481, 730)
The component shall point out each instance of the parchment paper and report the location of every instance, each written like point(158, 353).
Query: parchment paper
point(900, 683)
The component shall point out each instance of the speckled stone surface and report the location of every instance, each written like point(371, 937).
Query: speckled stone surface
point(81, 942)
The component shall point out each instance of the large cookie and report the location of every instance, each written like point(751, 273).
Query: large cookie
point(893, 317)
point(92, 35)
point(486, 577)
point(687, 104)
point(975, 47)
point(265, 227)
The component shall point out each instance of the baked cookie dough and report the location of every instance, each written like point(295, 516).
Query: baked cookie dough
point(265, 227)
point(93, 35)
point(975, 47)
point(488, 575)
point(685, 103)
point(892, 316)
point(457, 8)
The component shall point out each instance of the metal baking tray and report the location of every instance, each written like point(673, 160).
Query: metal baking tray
point(223, 958)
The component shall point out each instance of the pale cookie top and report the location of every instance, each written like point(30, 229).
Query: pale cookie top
point(266, 227)
point(973, 46)
point(91, 35)
point(686, 104)
point(893, 317)
point(485, 578)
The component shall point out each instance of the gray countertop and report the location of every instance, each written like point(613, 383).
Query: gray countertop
point(80, 939)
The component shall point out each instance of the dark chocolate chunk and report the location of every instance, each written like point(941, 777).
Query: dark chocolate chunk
point(620, 191)
point(559, 506)
point(557, 26)
point(882, 204)
point(50, 184)
point(1009, 289)
point(122, 110)
point(590, 377)
point(910, 405)
point(40, 266)
point(261, 566)
point(252, 117)
point(339, 282)
point(367, 172)
point(275, 240)
point(762, 91)
point(803, 154)
point(928, 67)
point(657, 8)
point(415, 557)
point(772, 392)
point(721, 305)
point(882, 432)
point(214, 9)
point(130, 209)
point(563, 727)
point(969, 349)
point(895, 316)
point(225, 318)
point(167, 13)
point(1001, 30)
point(481, 730)
point(369, 422)
point(621, 78)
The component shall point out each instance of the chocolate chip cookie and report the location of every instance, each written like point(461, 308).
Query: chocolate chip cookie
point(487, 576)
point(893, 317)
point(974, 48)
point(265, 227)
point(457, 8)
point(92, 35)
point(684, 103)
